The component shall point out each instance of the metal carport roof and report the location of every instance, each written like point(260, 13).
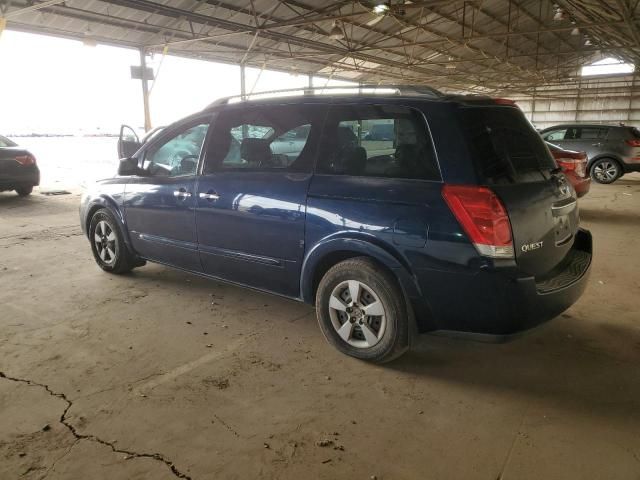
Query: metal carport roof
point(472, 45)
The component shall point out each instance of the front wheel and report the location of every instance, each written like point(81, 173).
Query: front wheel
point(362, 312)
point(107, 244)
point(606, 170)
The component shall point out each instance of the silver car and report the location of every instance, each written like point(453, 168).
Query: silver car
point(612, 150)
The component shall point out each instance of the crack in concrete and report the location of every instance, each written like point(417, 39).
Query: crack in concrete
point(226, 425)
point(67, 452)
point(92, 438)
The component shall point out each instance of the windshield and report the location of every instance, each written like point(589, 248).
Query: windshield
point(505, 147)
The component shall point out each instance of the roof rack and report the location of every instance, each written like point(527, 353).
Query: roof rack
point(406, 90)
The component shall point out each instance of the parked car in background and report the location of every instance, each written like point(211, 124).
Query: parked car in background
point(612, 150)
point(453, 218)
point(574, 166)
point(18, 168)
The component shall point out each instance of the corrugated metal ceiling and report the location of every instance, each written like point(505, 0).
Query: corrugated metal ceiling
point(505, 45)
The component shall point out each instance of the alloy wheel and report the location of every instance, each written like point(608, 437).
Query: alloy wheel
point(357, 314)
point(605, 171)
point(104, 239)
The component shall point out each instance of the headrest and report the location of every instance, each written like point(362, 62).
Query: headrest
point(255, 150)
point(346, 136)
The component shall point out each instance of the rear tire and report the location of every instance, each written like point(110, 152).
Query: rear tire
point(107, 244)
point(362, 311)
point(24, 191)
point(606, 170)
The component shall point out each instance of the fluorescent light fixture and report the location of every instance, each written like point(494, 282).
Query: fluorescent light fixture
point(575, 31)
point(375, 20)
point(559, 15)
point(381, 9)
point(607, 66)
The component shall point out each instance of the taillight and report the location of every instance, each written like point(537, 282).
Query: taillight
point(633, 143)
point(577, 165)
point(483, 217)
point(26, 160)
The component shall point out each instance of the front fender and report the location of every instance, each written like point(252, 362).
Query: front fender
point(90, 204)
point(359, 244)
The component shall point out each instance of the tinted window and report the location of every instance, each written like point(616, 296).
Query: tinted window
point(265, 138)
point(504, 146)
point(377, 141)
point(555, 135)
point(177, 155)
point(593, 133)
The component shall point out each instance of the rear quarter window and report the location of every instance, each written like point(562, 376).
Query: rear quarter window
point(504, 146)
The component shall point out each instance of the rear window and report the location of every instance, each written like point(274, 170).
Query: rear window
point(5, 142)
point(504, 145)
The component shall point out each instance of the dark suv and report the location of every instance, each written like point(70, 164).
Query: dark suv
point(461, 222)
point(612, 150)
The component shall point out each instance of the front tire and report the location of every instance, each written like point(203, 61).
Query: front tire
point(606, 170)
point(362, 312)
point(107, 243)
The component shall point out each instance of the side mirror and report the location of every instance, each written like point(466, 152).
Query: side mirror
point(128, 167)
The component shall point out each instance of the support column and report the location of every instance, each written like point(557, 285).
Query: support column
point(243, 96)
point(309, 89)
point(243, 83)
point(145, 90)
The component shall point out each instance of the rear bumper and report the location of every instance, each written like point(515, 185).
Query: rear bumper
point(493, 305)
point(24, 177)
point(580, 184)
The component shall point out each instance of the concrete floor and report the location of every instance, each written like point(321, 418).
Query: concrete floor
point(158, 374)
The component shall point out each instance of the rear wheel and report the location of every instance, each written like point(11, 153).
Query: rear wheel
point(362, 312)
point(606, 170)
point(24, 191)
point(107, 244)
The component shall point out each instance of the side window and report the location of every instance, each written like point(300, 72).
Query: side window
point(573, 133)
point(177, 155)
point(265, 138)
point(555, 135)
point(377, 141)
point(593, 133)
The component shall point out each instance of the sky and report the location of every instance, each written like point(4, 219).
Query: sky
point(54, 85)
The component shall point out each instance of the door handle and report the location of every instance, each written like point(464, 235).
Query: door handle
point(210, 195)
point(596, 144)
point(181, 194)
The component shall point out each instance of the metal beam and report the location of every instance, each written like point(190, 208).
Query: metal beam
point(32, 8)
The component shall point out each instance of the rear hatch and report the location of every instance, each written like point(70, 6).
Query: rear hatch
point(511, 158)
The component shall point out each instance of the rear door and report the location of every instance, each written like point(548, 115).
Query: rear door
point(511, 158)
point(592, 140)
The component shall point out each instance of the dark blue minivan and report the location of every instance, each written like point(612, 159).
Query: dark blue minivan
point(456, 221)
